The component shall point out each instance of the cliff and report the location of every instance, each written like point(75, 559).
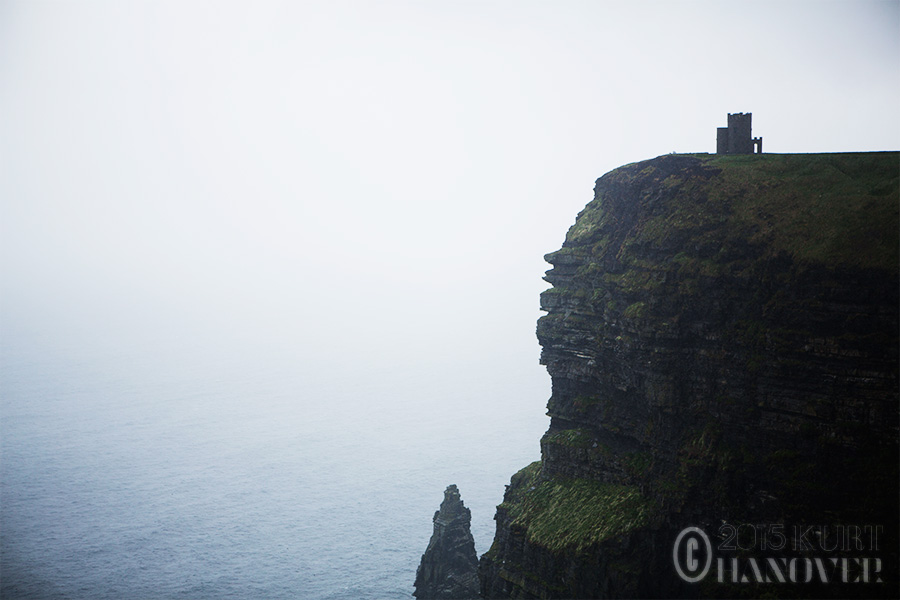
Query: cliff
point(449, 567)
point(722, 338)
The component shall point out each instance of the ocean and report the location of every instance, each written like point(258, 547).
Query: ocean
point(189, 471)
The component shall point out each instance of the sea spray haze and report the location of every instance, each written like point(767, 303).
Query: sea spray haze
point(126, 477)
point(269, 273)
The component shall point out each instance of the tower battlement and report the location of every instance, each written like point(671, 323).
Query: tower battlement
point(736, 138)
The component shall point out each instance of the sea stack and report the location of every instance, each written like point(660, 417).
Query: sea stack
point(449, 567)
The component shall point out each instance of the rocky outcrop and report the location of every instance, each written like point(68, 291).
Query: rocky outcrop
point(449, 567)
point(722, 338)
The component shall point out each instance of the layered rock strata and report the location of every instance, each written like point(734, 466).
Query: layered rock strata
point(449, 567)
point(722, 338)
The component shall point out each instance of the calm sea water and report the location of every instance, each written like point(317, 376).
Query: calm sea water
point(139, 474)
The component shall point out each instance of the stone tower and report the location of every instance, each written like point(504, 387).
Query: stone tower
point(736, 138)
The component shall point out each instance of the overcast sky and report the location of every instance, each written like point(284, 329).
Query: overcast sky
point(374, 181)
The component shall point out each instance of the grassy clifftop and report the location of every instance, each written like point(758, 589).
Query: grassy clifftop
point(818, 208)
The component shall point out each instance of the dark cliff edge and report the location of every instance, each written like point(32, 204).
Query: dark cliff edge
point(722, 338)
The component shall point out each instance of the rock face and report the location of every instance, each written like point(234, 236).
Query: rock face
point(722, 338)
point(449, 567)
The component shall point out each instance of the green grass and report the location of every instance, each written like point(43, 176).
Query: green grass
point(592, 213)
point(574, 514)
point(823, 208)
point(636, 310)
point(828, 209)
point(575, 438)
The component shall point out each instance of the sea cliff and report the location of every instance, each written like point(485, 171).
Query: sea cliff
point(722, 338)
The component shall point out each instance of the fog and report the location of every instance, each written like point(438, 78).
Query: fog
point(361, 182)
point(298, 247)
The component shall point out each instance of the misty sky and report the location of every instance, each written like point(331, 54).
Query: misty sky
point(357, 183)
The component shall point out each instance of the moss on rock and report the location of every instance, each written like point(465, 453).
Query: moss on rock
point(571, 514)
